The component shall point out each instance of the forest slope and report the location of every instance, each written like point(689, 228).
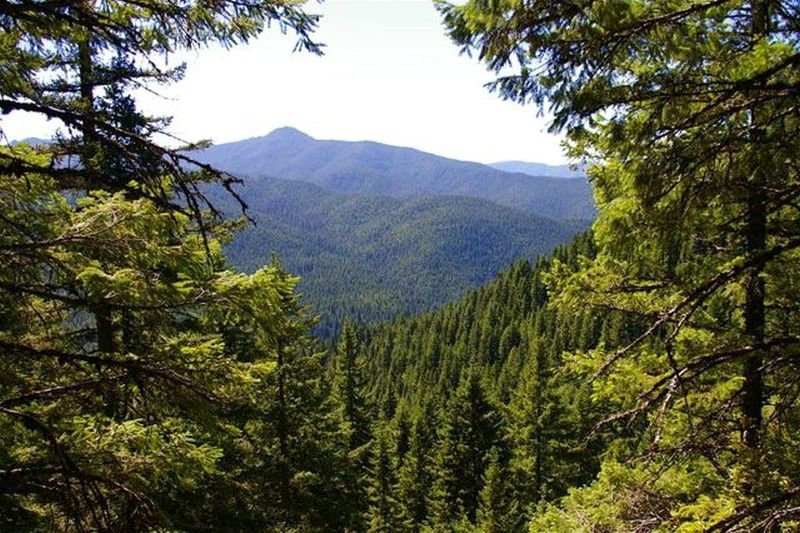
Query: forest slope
point(491, 364)
point(374, 257)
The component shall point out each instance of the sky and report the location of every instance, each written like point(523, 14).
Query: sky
point(389, 74)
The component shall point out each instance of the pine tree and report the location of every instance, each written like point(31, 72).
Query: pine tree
point(496, 513)
point(117, 378)
point(402, 436)
point(415, 475)
point(382, 515)
point(123, 431)
point(349, 384)
point(545, 433)
point(92, 53)
point(471, 429)
point(687, 113)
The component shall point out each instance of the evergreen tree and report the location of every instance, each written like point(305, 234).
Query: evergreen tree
point(402, 437)
point(349, 383)
point(496, 513)
point(687, 113)
point(382, 515)
point(546, 430)
point(415, 475)
point(113, 437)
point(117, 380)
point(293, 458)
point(73, 62)
point(471, 429)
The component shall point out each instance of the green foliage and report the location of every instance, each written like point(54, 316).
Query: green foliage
point(682, 110)
point(117, 431)
point(503, 348)
point(471, 430)
point(383, 512)
point(495, 513)
point(643, 378)
point(415, 475)
point(57, 58)
point(143, 385)
point(349, 384)
point(375, 258)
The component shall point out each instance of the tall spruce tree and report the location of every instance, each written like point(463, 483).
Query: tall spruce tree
point(687, 113)
point(118, 381)
point(472, 428)
point(415, 475)
point(383, 512)
point(349, 386)
point(497, 512)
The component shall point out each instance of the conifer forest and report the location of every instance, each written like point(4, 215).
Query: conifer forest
point(163, 367)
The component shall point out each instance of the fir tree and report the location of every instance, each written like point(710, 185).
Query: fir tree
point(496, 513)
point(471, 429)
point(687, 114)
point(117, 379)
point(415, 476)
point(349, 387)
point(382, 515)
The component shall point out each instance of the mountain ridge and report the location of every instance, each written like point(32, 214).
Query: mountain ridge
point(380, 169)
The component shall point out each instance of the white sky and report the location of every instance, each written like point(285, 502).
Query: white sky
point(389, 74)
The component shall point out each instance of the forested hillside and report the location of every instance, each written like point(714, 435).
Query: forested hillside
point(644, 377)
point(686, 113)
point(373, 258)
point(378, 169)
point(480, 417)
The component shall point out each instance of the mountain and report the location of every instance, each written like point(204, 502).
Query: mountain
point(538, 169)
point(33, 141)
point(379, 169)
point(376, 257)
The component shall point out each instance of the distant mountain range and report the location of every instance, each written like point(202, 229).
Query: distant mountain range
point(33, 141)
point(539, 169)
point(378, 169)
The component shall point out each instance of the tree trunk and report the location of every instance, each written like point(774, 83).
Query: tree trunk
point(103, 317)
point(755, 243)
point(753, 393)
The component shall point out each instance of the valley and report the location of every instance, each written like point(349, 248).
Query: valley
point(295, 334)
point(372, 256)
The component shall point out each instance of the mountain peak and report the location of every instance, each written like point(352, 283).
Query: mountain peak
point(288, 133)
point(384, 170)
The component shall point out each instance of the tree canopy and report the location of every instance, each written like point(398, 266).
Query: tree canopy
point(74, 62)
point(144, 385)
point(688, 112)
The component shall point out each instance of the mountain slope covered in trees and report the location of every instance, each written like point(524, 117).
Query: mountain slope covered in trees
point(379, 169)
point(475, 400)
point(372, 257)
point(644, 378)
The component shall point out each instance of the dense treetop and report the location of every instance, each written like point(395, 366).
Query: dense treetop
point(687, 112)
point(374, 258)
